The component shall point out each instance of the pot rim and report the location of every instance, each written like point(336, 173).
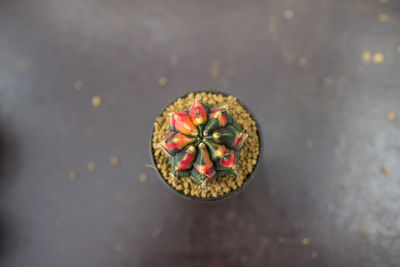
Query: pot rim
point(249, 178)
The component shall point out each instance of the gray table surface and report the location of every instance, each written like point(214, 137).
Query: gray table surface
point(320, 75)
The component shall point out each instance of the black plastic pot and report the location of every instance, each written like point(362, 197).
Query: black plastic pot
point(249, 178)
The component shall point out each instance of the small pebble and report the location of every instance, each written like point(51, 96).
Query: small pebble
point(163, 81)
point(366, 56)
point(226, 189)
point(385, 170)
point(179, 187)
point(305, 241)
point(114, 160)
point(378, 58)
point(73, 175)
point(91, 166)
point(391, 116)
point(289, 14)
point(96, 101)
point(143, 177)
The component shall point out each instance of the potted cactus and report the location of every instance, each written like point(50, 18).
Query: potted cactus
point(206, 145)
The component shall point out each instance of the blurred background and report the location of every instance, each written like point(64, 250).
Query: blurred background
point(81, 83)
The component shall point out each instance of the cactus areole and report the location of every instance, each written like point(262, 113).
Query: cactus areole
point(203, 142)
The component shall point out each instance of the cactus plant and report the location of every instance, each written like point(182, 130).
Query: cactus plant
point(203, 142)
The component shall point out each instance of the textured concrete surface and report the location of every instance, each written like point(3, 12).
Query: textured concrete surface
point(321, 76)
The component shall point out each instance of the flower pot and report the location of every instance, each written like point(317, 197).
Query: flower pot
point(235, 187)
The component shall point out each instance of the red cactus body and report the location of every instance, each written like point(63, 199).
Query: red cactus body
point(182, 122)
point(203, 142)
point(175, 141)
point(198, 113)
point(229, 160)
point(187, 160)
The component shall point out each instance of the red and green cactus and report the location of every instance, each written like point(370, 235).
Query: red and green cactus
point(203, 142)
